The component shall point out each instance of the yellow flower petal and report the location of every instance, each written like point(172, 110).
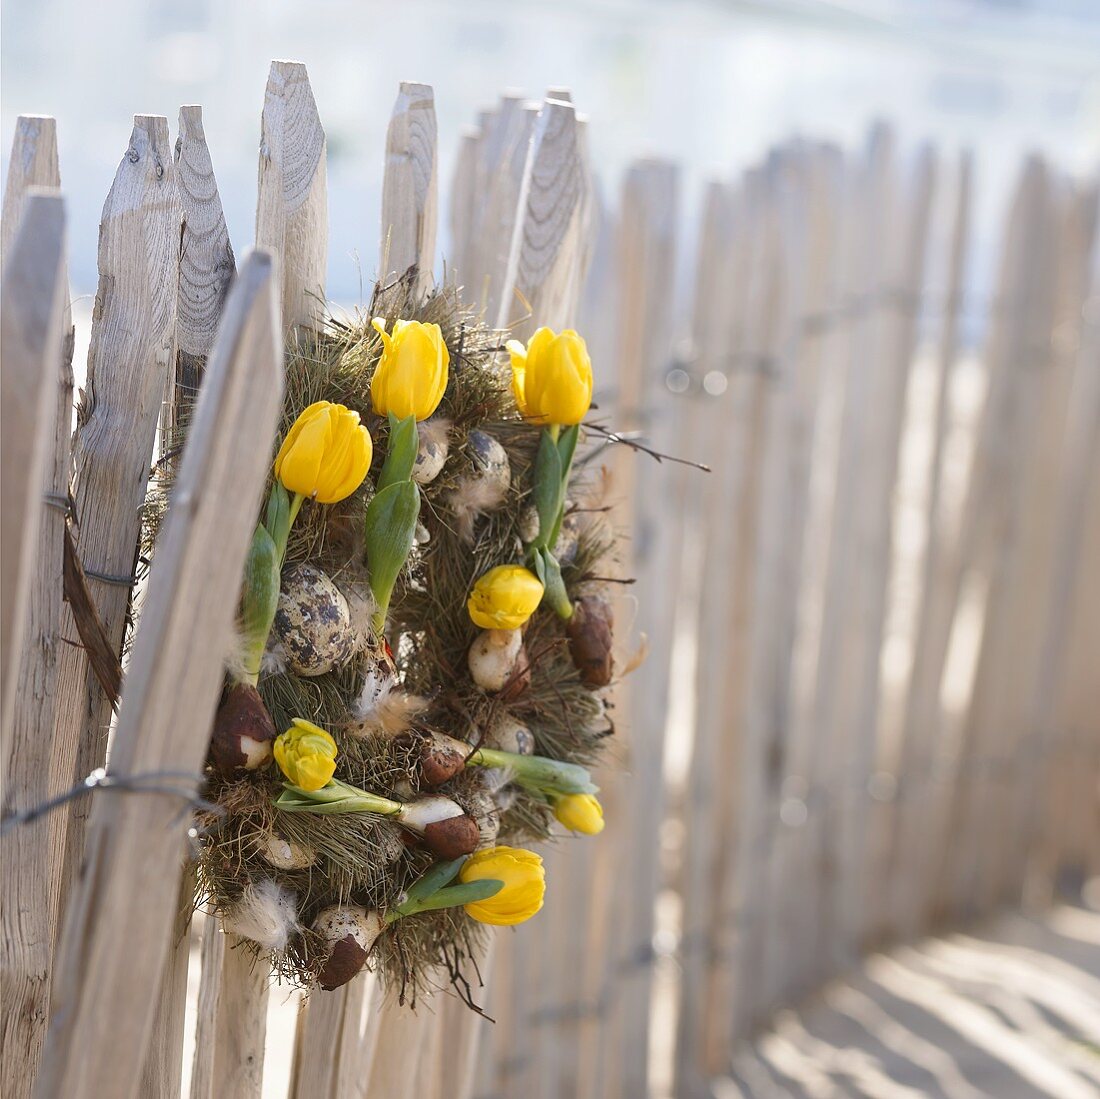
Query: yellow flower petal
point(524, 884)
point(411, 376)
point(504, 598)
point(306, 755)
point(326, 454)
point(552, 377)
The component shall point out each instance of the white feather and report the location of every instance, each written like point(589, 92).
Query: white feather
point(266, 914)
point(471, 498)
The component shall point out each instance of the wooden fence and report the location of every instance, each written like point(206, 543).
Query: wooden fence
point(868, 702)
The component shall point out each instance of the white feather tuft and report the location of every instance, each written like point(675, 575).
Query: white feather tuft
point(383, 707)
point(274, 659)
point(436, 431)
point(266, 914)
point(471, 498)
point(361, 606)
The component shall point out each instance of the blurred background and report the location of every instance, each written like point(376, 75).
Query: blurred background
point(708, 84)
point(842, 251)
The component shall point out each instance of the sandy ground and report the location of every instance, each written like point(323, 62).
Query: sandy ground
point(1009, 1012)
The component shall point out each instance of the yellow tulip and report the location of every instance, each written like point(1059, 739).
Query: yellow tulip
point(504, 598)
point(411, 375)
point(306, 754)
point(552, 377)
point(580, 813)
point(524, 884)
point(326, 453)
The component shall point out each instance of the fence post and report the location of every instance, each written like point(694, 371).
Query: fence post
point(718, 293)
point(207, 265)
point(114, 942)
point(1061, 705)
point(903, 238)
point(410, 186)
point(921, 721)
point(129, 362)
point(988, 541)
point(292, 204)
point(34, 396)
point(542, 271)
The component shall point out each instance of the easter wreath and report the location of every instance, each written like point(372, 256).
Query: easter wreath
point(424, 641)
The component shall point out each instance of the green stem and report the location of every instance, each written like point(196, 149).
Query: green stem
point(539, 773)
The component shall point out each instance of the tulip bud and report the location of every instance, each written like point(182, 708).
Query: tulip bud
point(326, 454)
point(243, 732)
point(306, 754)
point(552, 377)
point(411, 376)
point(590, 639)
point(505, 597)
point(349, 932)
point(524, 884)
point(580, 813)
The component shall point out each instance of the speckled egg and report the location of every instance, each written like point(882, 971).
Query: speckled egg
point(509, 735)
point(565, 548)
point(313, 622)
point(490, 460)
point(430, 455)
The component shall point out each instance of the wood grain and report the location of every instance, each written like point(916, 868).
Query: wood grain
point(543, 277)
point(129, 359)
point(33, 163)
point(410, 186)
point(207, 265)
point(113, 949)
point(35, 398)
point(922, 722)
point(292, 207)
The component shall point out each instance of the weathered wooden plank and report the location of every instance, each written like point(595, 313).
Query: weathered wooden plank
point(207, 268)
point(1062, 706)
point(410, 186)
point(990, 538)
point(238, 1018)
point(718, 294)
point(501, 164)
point(35, 395)
point(542, 272)
point(33, 163)
point(129, 361)
point(1053, 410)
point(207, 265)
point(113, 949)
point(904, 240)
point(840, 647)
point(163, 1068)
point(922, 722)
point(292, 207)
point(648, 245)
point(816, 277)
point(463, 202)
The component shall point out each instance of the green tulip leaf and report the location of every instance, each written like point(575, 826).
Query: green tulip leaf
point(466, 893)
point(278, 516)
point(390, 530)
point(555, 596)
point(435, 878)
point(259, 598)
